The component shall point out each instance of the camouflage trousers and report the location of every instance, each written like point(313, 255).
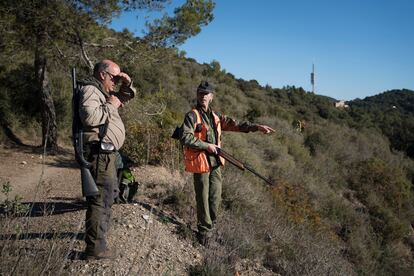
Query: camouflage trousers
point(207, 188)
point(98, 214)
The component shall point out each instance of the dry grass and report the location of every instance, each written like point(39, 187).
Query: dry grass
point(32, 246)
point(252, 227)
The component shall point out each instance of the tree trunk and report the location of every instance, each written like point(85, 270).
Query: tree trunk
point(49, 127)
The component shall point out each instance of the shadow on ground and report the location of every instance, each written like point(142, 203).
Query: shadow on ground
point(43, 236)
point(39, 209)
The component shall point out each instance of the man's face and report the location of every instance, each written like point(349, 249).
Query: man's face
point(204, 99)
point(109, 77)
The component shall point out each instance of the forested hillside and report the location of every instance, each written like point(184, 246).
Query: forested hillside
point(393, 113)
point(343, 198)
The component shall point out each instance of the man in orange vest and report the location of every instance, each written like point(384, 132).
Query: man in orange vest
point(201, 138)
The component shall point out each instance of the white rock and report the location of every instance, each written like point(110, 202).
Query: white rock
point(23, 162)
point(147, 218)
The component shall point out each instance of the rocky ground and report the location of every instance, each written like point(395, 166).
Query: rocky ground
point(49, 240)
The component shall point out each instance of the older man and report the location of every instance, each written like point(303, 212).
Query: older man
point(201, 138)
point(104, 134)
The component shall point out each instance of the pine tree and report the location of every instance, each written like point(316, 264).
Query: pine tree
point(49, 28)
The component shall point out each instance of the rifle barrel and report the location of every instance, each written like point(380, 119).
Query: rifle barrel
point(242, 166)
point(259, 175)
point(73, 77)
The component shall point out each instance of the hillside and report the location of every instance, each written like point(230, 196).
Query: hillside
point(393, 113)
point(403, 100)
point(333, 180)
point(343, 199)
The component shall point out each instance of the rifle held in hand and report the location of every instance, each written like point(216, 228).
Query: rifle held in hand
point(242, 166)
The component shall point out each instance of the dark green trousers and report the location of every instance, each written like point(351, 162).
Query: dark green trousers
point(207, 188)
point(98, 214)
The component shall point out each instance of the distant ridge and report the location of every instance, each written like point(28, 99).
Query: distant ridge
point(399, 98)
point(393, 113)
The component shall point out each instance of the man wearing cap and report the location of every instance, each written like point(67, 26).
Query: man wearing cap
point(201, 138)
point(104, 134)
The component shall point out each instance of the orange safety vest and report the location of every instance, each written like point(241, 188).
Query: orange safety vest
point(196, 161)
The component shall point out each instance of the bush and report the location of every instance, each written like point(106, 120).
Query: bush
point(389, 185)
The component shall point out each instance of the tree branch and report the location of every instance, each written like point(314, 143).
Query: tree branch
point(159, 112)
point(98, 45)
point(85, 57)
point(56, 46)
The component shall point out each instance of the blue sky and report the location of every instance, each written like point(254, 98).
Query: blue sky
point(359, 47)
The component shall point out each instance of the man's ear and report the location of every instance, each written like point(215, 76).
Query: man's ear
point(102, 75)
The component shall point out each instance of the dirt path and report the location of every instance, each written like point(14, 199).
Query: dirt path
point(26, 170)
point(145, 238)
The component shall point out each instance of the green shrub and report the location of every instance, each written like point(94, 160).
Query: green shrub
point(12, 207)
point(388, 184)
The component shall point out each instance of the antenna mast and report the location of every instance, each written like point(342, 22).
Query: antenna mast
point(313, 78)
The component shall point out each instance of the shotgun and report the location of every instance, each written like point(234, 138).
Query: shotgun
point(89, 187)
point(242, 166)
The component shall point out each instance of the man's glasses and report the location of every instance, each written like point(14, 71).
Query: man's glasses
point(114, 78)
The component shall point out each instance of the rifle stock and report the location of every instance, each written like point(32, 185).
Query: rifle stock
point(89, 187)
point(231, 159)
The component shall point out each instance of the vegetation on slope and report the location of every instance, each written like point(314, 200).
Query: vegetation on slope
point(393, 113)
point(343, 199)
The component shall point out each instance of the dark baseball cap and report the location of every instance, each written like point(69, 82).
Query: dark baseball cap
point(205, 87)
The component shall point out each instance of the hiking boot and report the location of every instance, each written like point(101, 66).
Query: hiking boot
point(104, 255)
point(203, 238)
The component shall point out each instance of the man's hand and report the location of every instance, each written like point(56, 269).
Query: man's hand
point(265, 129)
point(126, 80)
point(211, 148)
point(114, 101)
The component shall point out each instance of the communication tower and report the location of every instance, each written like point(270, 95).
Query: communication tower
point(312, 79)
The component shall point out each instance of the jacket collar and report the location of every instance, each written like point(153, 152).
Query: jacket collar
point(200, 109)
point(93, 81)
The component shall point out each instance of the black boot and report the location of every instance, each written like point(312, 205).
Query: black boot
point(203, 238)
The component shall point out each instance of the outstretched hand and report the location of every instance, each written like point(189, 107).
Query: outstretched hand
point(265, 129)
